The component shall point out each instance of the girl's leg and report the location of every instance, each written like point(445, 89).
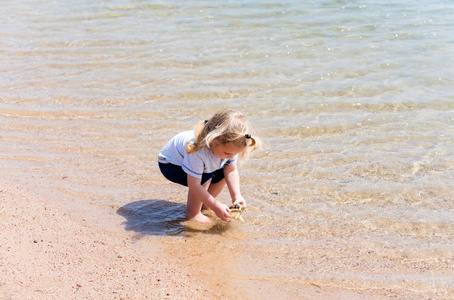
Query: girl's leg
point(215, 189)
point(194, 207)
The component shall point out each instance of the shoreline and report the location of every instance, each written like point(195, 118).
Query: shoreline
point(47, 253)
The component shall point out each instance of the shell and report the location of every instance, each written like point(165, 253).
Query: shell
point(236, 211)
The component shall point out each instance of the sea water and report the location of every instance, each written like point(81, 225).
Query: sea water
point(352, 99)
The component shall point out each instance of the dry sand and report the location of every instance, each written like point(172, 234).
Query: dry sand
point(46, 253)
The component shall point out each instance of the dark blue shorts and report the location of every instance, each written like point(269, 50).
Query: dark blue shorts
point(176, 174)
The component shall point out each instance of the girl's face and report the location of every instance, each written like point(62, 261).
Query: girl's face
point(226, 151)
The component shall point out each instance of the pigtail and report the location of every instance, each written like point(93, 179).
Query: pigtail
point(191, 147)
point(199, 133)
point(254, 144)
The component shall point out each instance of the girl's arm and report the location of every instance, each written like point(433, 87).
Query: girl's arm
point(232, 178)
point(221, 210)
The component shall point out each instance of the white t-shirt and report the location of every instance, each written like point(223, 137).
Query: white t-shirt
point(194, 164)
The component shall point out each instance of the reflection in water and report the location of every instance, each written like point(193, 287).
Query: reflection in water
point(160, 217)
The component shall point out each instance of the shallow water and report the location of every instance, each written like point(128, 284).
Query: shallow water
point(353, 100)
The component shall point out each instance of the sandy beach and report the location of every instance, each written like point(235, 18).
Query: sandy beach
point(50, 253)
point(46, 253)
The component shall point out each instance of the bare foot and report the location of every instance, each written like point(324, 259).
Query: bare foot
point(199, 218)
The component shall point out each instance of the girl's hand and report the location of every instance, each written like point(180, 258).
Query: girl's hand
point(240, 200)
point(222, 211)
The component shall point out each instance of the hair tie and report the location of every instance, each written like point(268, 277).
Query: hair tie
point(248, 136)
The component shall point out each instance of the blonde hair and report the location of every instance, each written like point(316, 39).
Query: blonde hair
point(226, 126)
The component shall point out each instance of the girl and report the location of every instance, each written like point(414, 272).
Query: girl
point(205, 159)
